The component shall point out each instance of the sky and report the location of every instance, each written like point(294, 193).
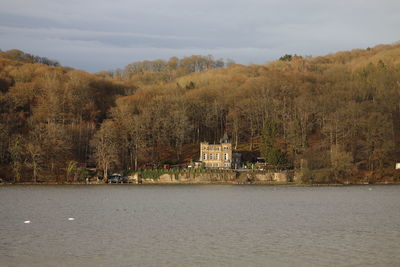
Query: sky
point(96, 35)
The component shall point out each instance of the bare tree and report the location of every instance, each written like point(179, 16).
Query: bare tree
point(105, 147)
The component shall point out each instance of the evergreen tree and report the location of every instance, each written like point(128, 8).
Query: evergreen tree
point(269, 148)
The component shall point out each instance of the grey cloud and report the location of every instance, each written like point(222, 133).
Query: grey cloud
point(97, 35)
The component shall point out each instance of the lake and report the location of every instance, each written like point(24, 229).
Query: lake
point(199, 225)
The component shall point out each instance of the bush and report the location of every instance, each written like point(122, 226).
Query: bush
point(308, 176)
point(83, 175)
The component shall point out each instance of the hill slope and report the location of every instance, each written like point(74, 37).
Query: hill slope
point(338, 115)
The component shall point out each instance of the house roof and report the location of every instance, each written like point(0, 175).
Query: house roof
point(224, 139)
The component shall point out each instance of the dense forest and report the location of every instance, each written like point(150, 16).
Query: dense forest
point(335, 117)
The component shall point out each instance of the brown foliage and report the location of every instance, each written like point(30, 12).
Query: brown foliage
point(348, 100)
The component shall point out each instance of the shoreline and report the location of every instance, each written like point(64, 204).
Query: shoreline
point(202, 183)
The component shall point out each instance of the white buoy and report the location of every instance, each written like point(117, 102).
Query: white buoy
point(370, 189)
point(27, 221)
point(71, 219)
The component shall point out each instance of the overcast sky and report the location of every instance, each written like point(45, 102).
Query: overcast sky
point(99, 35)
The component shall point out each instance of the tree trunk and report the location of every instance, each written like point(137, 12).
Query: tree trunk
point(396, 132)
point(34, 171)
point(251, 135)
point(105, 173)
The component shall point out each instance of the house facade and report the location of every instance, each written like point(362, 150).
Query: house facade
point(218, 156)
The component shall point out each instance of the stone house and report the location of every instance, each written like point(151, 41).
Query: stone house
point(220, 155)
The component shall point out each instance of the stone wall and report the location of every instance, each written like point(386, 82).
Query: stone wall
point(266, 177)
point(194, 177)
point(233, 177)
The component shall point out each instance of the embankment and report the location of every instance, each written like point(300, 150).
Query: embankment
point(217, 177)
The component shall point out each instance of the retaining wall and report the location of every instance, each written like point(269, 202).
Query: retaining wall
point(233, 177)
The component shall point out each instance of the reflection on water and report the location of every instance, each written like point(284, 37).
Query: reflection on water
point(199, 226)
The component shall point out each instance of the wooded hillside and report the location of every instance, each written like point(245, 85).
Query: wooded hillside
point(338, 116)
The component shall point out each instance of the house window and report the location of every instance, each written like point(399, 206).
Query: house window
point(204, 156)
point(211, 156)
point(217, 165)
point(217, 156)
point(226, 156)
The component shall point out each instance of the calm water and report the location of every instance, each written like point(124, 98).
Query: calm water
point(199, 226)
